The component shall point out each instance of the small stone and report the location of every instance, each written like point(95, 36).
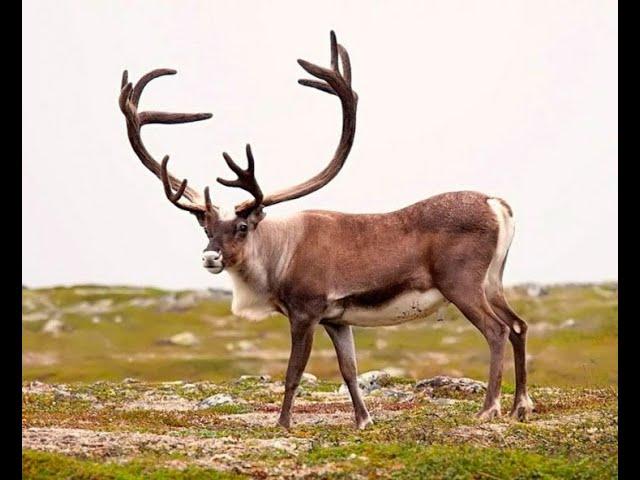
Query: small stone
point(309, 378)
point(130, 380)
point(568, 323)
point(258, 378)
point(118, 319)
point(217, 399)
point(461, 384)
point(53, 326)
point(95, 319)
point(368, 382)
point(393, 394)
point(183, 339)
point(60, 393)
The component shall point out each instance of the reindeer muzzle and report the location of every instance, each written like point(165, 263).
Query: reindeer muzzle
point(212, 261)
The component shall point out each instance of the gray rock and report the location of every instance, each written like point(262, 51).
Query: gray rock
point(217, 399)
point(61, 393)
point(368, 382)
point(393, 394)
point(257, 378)
point(104, 305)
point(443, 382)
point(54, 326)
point(171, 303)
point(309, 379)
point(182, 339)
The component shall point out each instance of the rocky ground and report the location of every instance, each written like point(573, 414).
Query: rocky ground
point(424, 429)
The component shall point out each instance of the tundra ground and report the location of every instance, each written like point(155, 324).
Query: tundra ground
point(110, 392)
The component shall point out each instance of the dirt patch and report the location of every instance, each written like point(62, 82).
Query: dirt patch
point(217, 452)
point(322, 415)
point(160, 402)
point(484, 434)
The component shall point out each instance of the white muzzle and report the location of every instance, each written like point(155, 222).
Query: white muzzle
point(212, 261)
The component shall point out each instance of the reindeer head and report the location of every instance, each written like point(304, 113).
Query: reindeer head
point(228, 234)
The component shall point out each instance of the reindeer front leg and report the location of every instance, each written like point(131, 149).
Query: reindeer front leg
point(301, 342)
point(342, 338)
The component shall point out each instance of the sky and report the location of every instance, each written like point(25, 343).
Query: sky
point(516, 99)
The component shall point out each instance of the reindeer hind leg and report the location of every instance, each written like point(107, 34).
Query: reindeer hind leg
point(469, 297)
point(522, 404)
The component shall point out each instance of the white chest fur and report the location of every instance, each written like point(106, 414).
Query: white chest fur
point(404, 308)
point(247, 302)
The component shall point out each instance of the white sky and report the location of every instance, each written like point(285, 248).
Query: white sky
point(515, 99)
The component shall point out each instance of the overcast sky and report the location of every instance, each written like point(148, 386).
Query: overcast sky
point(514, 99)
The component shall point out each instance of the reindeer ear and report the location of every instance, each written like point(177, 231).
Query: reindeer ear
point(256, 216)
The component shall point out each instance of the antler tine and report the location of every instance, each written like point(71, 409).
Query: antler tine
point(129, 98)
point(346, 65)
point(334, 52)
point(207, 200)
point(246, 181)
point(175, 197)
point(145, 79)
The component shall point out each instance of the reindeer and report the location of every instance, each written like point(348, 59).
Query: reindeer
point(338, 269)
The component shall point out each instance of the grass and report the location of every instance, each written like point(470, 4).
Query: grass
point(45, 466)
point(407, 460)
point(230, 346)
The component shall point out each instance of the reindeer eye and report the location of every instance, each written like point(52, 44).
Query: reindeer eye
point(243, 227)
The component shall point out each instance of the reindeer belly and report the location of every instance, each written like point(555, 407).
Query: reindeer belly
point(402, 308)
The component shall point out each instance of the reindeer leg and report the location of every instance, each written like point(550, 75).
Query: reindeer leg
point(522, 404)
point(473, 304)
point(301, 342)
point(342, 338)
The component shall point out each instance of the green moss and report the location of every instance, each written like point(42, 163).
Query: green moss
point(406, 460)
point(49, 466)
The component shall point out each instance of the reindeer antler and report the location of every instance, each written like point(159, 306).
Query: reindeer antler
point(129, 99)
point(246, 181)
point(336, 83)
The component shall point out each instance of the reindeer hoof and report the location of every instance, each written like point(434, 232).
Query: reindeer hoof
point(362, 424)
point(490, 413)
point(285, 423)
point(522, 409)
